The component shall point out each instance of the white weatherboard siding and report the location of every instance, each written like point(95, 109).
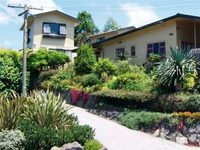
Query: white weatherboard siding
point(52, 43)
point(140, 39)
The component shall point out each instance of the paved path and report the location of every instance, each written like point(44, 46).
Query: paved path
point(118, 137)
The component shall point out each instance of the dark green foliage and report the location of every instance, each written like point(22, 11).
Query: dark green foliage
point(42, 59)
point(154, 58)
point(86, 27)
point(104, 66)
point(193, 103)
point(173, 71)
point(12, 140)
point(47, 137)
point(124, 67)
point(142, 119)
point(111, 25)
point(90, 80)
point(86, 23)
point(61, 80)
point(92, 145)
point(124, 95)
point(131, 82)
point(10, 71)
point(78, 133)
point(85, 60)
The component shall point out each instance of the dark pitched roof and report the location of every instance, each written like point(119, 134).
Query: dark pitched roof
point(149, 25)
point(130, 27)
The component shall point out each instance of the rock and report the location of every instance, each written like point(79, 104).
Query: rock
point(165, 131)
point(198, 129)
point(192, 139)
point(172, 137)
point(157, 133)
point(163, 135)
point(103, 148)
point(181, 140)
point(192, 130)
point(55, 148)
point(72, 146)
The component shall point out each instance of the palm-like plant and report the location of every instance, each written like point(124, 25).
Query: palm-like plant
point(47, 110)
point(178, 65)
point(122, 55)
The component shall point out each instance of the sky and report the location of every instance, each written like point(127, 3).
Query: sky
point(126, 12)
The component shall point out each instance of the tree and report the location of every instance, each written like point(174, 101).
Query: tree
point(85, 27)
point(111, 25)
point(85, 60)
point(10, 71)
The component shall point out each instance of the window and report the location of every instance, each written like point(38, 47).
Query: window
point(186, 45)
point(100, 39)
point(54, 29)
point(120, 50)
point(132, 50)
point(156, 48)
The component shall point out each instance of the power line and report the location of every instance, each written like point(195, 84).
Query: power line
point(24, 63)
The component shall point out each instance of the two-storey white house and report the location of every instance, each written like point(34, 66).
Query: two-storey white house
point(53, 30)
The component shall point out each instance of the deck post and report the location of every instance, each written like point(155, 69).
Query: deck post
point(195, 36)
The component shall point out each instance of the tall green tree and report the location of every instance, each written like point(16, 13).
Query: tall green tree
point(85, 27)
point(111, 25)
point(85, 59)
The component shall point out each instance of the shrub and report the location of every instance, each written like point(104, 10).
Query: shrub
point(104, 66)
point(12, 140)
point(185, 115)
point(173, 71)
point(10, 110)
point(47, 110)
point(47, 137)
point(176, 102)
point(85, 60)
point(90, 80)
point(125, 67)
point(92, 145)
point(10, 71)
point(192, 103)
point(142, 119)
point(131, 82)
point(79, 133)
point(42, 59)
point(154, 58)
point(124, 95)
point(189, 81)
point(61, 80)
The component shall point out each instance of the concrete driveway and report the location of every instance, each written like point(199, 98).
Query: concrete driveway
point(118, 137)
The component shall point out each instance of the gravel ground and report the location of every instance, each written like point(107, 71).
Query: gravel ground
point(118, 137)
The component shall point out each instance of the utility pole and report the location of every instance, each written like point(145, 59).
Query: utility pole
point(24, 62)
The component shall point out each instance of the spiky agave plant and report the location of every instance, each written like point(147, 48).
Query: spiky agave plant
point(179, 64)
point(47, 110)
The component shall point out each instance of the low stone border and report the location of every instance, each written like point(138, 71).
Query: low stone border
point(112, 115)
point(189, 136)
